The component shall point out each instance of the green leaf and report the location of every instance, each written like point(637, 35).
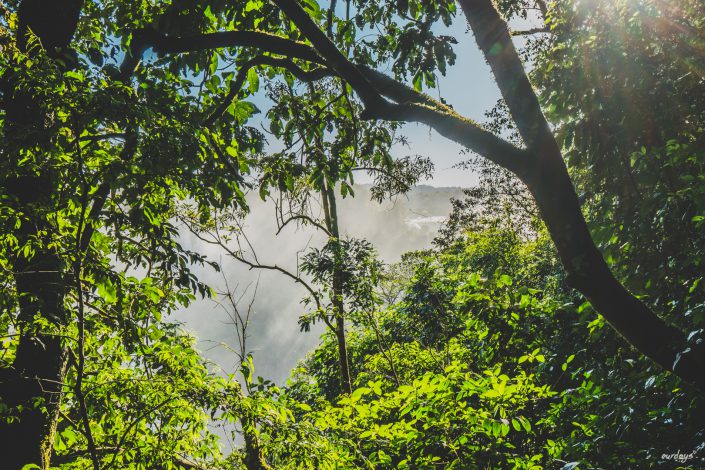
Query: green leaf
point(525, 424)
point(504, 280)
point(418, 82)
point(107, 291)
point(253, 80)
point(242, 111)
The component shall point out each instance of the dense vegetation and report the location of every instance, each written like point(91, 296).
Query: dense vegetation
point(556, 322)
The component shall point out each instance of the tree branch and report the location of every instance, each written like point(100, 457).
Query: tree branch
point(347, 70)
point(529, 32)
point(548, 181)
point(100, 195)
point(79, 453)
point(540, 167)
point(147, 38)
point(216, 240)
point(306, 219)
point(492, 36)
point(462, 130)
point(411, 105)
point(287, 273)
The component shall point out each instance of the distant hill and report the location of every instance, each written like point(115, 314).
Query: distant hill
point(407, 223)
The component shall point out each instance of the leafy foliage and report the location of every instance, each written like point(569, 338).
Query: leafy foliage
point(473, 354)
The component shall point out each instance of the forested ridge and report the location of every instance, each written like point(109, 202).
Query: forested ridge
point(556, 321)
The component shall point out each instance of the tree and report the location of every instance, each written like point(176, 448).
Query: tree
point(505, 305)
point(94, 161)
point(539, 165)
point(325, 146)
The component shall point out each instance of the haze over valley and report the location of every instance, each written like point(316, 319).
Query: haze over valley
point(394, 227)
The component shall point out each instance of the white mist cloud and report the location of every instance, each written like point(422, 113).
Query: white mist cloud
point(394, 227)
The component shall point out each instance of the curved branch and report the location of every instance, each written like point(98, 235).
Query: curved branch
point(306, 219)
point(397, 91)
point(274, 267)
point(335, 59)
point(410, 105)
point(294, 277)
point(540, 167)
point(147, 38)
point(462, 130)
point(549, 182)
point(215, 240)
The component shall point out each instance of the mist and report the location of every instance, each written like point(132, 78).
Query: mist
point(394, 227)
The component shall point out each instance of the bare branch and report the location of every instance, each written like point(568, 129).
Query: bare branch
point(215, 239)
point(305, 218)
point(274, 267)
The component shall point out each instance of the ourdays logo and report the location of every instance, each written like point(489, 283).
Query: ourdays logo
point(678, 456)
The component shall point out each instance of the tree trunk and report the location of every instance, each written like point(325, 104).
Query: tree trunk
point(588, 272)
point(32, 387)
point(331, 218)
point(345, 379)
point(545, 174)
point(34, 381)
point(254, 460)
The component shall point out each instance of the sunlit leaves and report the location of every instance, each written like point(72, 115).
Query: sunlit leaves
point(241, 111)
point(437, 418)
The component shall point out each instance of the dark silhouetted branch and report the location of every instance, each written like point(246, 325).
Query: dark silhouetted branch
point(529, 32)
point(146, 38)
